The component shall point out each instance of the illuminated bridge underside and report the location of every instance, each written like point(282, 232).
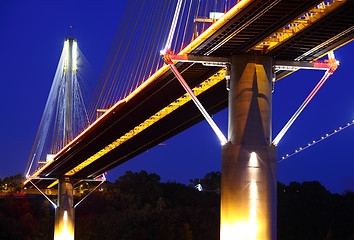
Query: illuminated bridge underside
point(128, 115)
point(242, 33)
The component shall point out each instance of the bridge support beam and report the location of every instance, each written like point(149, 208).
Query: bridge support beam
point(69, 71)
point(64, 226)
point(248, 177)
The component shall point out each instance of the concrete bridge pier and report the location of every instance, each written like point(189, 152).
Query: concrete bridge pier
point(64, 226)
point(249, 170)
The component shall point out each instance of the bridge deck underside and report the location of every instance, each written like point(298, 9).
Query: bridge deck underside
point(333, 30)
point(254, 23)
point(163, 91)
point(249, 31)
point(249, 27)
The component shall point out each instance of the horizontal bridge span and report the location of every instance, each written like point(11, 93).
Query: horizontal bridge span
point(132, 126)
point(118, 125)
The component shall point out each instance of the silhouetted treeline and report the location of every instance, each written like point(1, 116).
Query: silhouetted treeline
point(11, 184)
point(138, 206)
point(308, 211)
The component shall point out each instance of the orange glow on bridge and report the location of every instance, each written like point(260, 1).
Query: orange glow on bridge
point(148, 122)
point(188, 49)
point(195, 43)
point(244, 227)
point(65, 234)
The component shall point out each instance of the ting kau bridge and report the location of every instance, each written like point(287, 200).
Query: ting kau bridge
point(237, 52)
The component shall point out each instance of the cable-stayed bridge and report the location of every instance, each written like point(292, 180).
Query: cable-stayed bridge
point(291, 34)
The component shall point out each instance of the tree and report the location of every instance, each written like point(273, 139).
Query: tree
point(11, 184)
point(211, 181)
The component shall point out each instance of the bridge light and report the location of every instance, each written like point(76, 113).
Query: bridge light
point(245, 228)
point(65, 234)
point(66, 54)
point(253, 162)
point(74, 56)
point(199, 187)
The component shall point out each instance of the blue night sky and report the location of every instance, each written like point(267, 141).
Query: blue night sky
point(31, 41)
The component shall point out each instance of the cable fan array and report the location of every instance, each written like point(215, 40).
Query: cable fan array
point(52, 133)
point(133, 57)
point(141, 35)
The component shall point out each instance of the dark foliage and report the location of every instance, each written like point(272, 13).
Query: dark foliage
point(11, 184)
point(309, 211)
point(138, 206)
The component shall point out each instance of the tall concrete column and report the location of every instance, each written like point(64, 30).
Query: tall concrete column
point(69, 72)
point(64, 226)
point(248, 175)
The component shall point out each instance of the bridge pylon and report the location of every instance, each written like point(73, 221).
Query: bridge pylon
point(70, 48)
point(249, 170)
point(64, 225)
